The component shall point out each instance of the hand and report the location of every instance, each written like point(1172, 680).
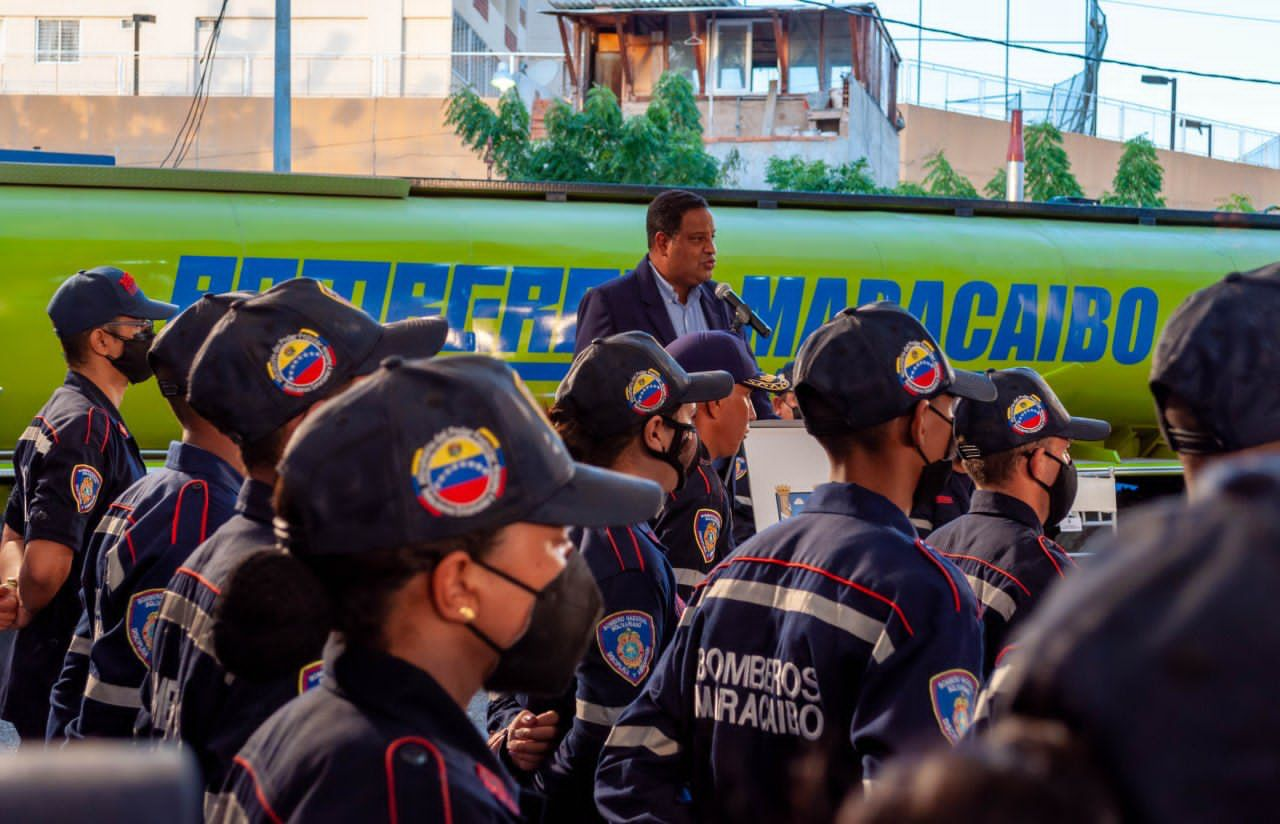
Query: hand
point(530, 737)
point(8, 607)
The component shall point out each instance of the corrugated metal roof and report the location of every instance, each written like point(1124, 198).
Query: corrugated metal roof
point(625, 5)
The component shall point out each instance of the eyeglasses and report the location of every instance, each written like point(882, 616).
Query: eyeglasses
point(145, 328)
point(950, 420)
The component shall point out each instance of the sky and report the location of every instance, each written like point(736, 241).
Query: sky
point(1143, 31)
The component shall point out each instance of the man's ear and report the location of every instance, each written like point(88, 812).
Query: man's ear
point(711, 409)
point(651, 434)
point(100, 342)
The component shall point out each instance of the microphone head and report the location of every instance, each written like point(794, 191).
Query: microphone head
point(723, 290)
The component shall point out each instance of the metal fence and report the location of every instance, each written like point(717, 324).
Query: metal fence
point(314, 75)
point(959, 90)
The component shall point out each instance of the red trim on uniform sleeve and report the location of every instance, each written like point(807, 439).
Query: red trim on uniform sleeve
point(1044, 547)
point(393, 814)
point(990, 566)
point(52, 430)
point(706, 481)
point(810, 568)
point(1003, 653)
point(128, 539)
point(106, 430)
point(608, 534)
point(257, 789)
point(191, 572)
point(955, 592)
point(177, 511)
point(636, 545)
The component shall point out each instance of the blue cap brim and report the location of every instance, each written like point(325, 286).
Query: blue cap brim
point(596, 497)
point(1086, 429)
point(972, 385)
point(152, 310)
point(707, 386)
point(410, 338)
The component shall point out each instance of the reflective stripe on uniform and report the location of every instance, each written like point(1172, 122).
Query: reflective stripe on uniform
point(116, 696)
point(597, 713)
point(195, 621)
point(651, 738)
point(34, 433)
point(689, 577)
point(115, 569)
point(225, 808)
point(80, 645)
point(789, 599)
point(994, 597)
point(990, 694)
point(113, 525)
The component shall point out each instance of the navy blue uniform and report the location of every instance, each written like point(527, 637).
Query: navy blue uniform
point(70, 463)
point(835, 633)
point(189, 696)
point(148, 533)
point(738, 483)
point(1001, 548)
point(640, 614)
point(380, 741)
point(952, 501)
point(696, 526)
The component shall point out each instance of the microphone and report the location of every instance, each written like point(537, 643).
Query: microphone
point(742, 313)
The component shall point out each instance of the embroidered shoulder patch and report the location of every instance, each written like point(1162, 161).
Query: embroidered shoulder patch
point(86, 483)
point(141, 618)
point(310, 676)
point(953, 694)
point(626, 644)
point(706, 532)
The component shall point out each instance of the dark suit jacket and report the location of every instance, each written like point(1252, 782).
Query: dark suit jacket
point(633, 303)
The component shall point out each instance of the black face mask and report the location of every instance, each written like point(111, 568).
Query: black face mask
point(934, 476)
point(1062, 492)
point(680, 453)
point(132, 361)
point(796, 414)
point(561, 627)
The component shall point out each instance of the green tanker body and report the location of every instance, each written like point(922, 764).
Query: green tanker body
point(1079, 293)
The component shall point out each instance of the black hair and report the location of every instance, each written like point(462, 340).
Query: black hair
point(999, 467)
point(75, 348)
point(586, 446)
point(187, 416)
point(265, 452)
point(667, 211)
point(836, 437)
point(277, 608)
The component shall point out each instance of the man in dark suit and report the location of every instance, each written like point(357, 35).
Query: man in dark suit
point(670, 293)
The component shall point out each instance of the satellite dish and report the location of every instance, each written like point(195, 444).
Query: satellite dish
point(544, 73)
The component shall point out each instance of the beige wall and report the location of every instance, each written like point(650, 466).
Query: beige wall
point(387, 136)
point(976, 147)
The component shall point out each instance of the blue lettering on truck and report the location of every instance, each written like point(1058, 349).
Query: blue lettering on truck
point(531, 310)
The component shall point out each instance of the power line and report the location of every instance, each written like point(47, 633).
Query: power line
point(1024, 47)
point(195, 111)
point(1201, 12)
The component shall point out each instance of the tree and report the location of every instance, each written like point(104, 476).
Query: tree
point(944, 181)
point(1139, 176)
point(663, 146)
point(794, 174)
point(1047, 170)
point(1236, 203)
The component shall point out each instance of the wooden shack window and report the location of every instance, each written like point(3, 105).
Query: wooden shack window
point(682, 54)
point(805, 33)
point(838, 48)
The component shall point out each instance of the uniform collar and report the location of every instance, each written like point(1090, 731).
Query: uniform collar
point(986, 502)
point(192, 460)
point(858, 502)
point(254, 501)
point(91, 391)
point(393, 687)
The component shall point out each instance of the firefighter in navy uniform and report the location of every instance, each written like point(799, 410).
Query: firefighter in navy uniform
point(71, 462)
point(1016, 449)
point(625, 405)
point(428, 504)
point(696, 524)
point(147, 534)
point(265, 364)
point(836, 637)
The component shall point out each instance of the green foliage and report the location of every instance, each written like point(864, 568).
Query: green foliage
point(1236, 203)
point(908, 189)
point(663, 146)
point(794, 174)
point(943, 181)
point(995, 188)
point(1048, 169)
point(1139, 176)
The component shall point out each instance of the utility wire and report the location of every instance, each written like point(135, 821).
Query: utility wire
point(1218, 14)
point(855, 12)
point(182, 140)
point(214, 38)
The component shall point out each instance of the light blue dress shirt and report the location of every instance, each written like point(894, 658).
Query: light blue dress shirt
point(685, 317)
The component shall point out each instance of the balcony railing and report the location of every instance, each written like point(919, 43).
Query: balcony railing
point(314, 75)
point(959, 90)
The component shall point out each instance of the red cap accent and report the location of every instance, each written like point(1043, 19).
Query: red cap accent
point(129, 284)
point(1015, 137)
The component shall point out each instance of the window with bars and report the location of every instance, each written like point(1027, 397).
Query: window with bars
point(57, 41)
point(470, 66)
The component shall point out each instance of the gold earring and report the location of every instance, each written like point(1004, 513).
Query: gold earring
point(468, 614)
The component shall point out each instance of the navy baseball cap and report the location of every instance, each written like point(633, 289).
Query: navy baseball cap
point(617, 382)
point(175, 348)
point(873, 364)
point(1025, 410)
point(428, 450)
point(274, 355)
point(787, 373)
point(1220, 355)
point(726, 352)
point(92, 297)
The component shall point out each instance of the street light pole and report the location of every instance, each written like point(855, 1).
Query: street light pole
point(135, 22)
point(1006, 59)
point(282, 103)
point(1172, 83)
point(919, 47)
point(1200, 126)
